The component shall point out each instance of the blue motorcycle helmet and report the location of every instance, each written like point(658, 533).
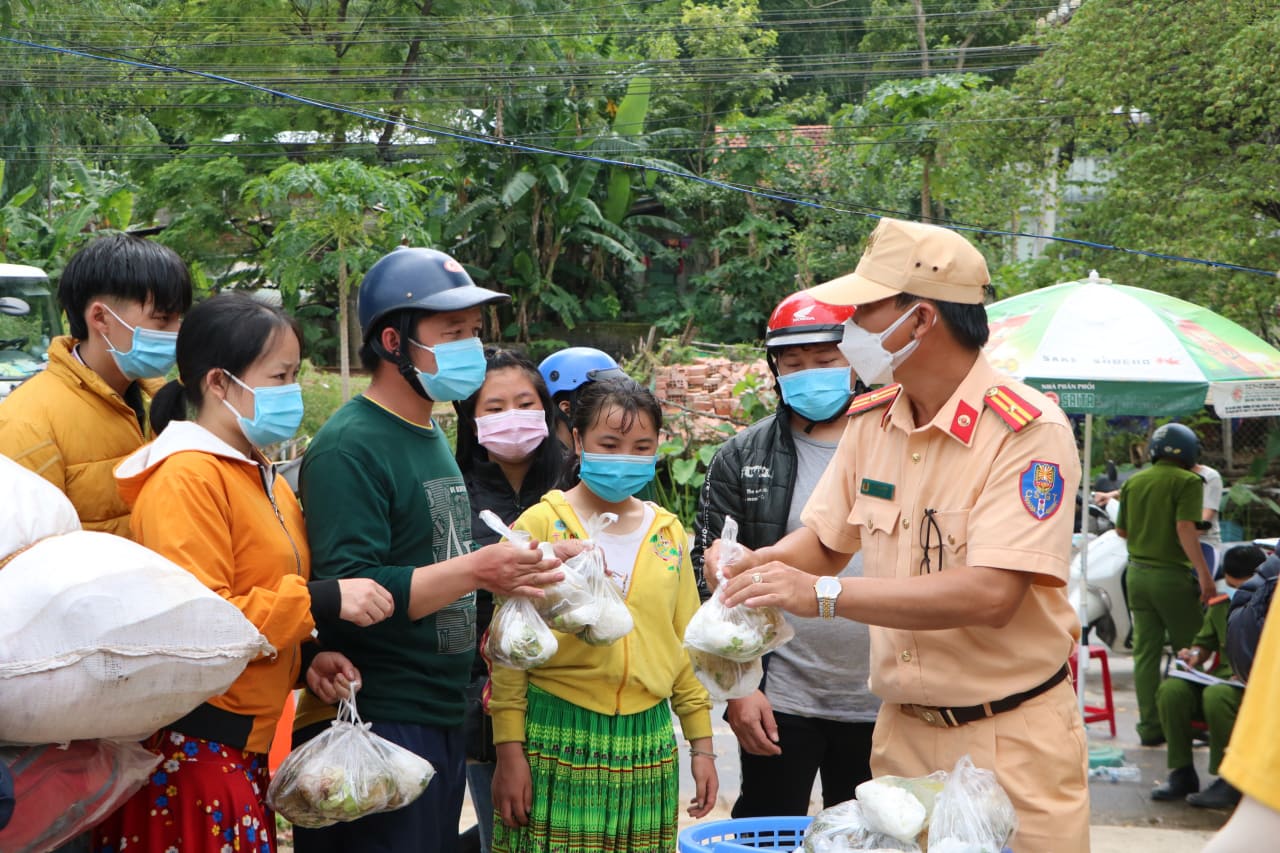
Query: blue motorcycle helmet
point(1176, 442)
point(404, 284)
point(569, 369)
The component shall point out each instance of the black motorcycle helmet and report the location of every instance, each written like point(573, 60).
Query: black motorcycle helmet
point(1176, 442)
point(404, 284)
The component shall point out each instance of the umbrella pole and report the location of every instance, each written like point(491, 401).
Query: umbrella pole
point(1082, 653)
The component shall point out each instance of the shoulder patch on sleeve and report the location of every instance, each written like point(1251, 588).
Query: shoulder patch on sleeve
point(873, 399)
point(1041, 488)
point(1016, 412)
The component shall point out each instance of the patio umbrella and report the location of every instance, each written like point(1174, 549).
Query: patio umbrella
point(1098, 348)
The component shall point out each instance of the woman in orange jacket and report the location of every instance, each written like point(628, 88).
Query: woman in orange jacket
point(204, 495)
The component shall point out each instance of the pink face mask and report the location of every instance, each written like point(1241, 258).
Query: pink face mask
point(512, 435)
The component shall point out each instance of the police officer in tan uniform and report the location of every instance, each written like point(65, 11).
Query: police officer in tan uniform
point(952, 483)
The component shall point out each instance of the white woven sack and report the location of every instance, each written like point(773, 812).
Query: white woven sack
point(102, 638)
point(31, 508)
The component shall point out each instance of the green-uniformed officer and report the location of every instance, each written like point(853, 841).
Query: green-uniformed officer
point(1159, 509)
point(1181, 701)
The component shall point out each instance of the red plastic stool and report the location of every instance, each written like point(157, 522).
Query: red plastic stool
point(1093, 713)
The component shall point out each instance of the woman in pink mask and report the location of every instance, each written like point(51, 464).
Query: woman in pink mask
point(510, 458)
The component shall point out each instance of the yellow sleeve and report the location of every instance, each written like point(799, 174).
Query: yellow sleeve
point(202, 545)
point(689, 699)
point(1252, 763)
point(31, 444)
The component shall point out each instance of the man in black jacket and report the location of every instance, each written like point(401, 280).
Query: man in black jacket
point(1248, 614)
point(813, 712)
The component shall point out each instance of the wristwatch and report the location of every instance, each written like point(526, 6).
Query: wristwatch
point(827, 589)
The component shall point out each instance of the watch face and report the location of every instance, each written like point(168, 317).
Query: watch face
point(827, 587)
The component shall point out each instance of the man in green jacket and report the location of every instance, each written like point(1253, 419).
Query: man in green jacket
point(1181, 701)
point(1168, 578)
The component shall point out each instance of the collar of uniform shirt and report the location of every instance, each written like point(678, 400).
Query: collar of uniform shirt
point(965, 402)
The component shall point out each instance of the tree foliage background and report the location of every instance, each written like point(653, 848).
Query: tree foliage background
point(1138, 124)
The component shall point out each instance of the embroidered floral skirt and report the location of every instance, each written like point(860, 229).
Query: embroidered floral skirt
point(204, 797)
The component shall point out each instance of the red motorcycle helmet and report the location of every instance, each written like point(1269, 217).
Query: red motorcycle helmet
point(801, 319)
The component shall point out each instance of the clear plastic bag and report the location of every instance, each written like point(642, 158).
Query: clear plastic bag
point(569, 605)
point(345, 773)
point(615, 620)
point(519, 637)
point(60, 792)
point(739, 633)
point(726, 679)
point(973, 813)
point(843, 828)
point(900, 806)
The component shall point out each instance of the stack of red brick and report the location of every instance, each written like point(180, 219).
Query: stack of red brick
point(704, 390)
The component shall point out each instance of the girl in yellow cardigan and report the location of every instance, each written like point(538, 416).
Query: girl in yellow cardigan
point(587, 757)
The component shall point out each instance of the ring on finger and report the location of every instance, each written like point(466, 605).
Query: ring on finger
point(757, 577)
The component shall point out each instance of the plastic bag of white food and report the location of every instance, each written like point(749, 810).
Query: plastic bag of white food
point(615, 620)
point(898, 806)
point(973, 813)
point(94, 621)
point(726, 679)
point(346, 772)
point(518, 637)
point(738, 633)
point(843, 828)
point(31, 508)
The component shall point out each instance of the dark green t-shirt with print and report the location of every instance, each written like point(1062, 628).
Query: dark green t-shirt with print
point(382, 497)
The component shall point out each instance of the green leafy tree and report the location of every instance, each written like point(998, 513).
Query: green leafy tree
point(333, 219)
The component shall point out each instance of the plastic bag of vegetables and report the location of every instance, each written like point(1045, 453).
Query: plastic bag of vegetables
point(570, 605)
point(726, 679)
point(614, 621)
point(973, 813)
point(346, 772)
point(739, 633)
point(518, 636)
point(843, 828)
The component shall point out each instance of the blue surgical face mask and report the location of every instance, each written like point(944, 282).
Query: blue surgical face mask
point(152, 353)
point(614, 477)
point(277, 413)
point(460, 370)
point(1231, 592)
point(817, 394)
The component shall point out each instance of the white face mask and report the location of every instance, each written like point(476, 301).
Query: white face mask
point(871, 362)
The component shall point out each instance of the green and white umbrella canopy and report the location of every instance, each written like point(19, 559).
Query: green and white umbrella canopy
point(1109, 349)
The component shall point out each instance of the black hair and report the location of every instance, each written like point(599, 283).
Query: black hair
point(1241, 561)
point(549, 456)
point(967, 323)
point(127, 268)
point(598, 396)
point(229, 332)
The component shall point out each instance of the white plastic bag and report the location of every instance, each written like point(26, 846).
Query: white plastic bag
point(518, 636)
point(973, 813)
point(739, 633)
point(61, 792)
point(345, 773)
point(31, 508)
point(102, 638)
point(900, 806)
point(843, 828)
point(726, 679)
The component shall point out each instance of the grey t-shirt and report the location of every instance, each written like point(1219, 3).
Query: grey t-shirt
point(823, 672)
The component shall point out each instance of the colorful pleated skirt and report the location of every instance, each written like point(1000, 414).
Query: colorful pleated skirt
point(600, 783)
point(204, 797)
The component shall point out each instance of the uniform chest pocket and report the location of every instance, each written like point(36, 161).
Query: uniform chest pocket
point(877, 521)
point(944, 539)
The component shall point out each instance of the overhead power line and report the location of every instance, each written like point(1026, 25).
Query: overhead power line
point(521, 148)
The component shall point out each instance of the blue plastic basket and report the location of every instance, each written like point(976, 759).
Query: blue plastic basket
point(747, 833)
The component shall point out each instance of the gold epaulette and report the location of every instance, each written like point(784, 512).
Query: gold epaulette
point(874, 399)
point(1218, 599)
point(1016, 412)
